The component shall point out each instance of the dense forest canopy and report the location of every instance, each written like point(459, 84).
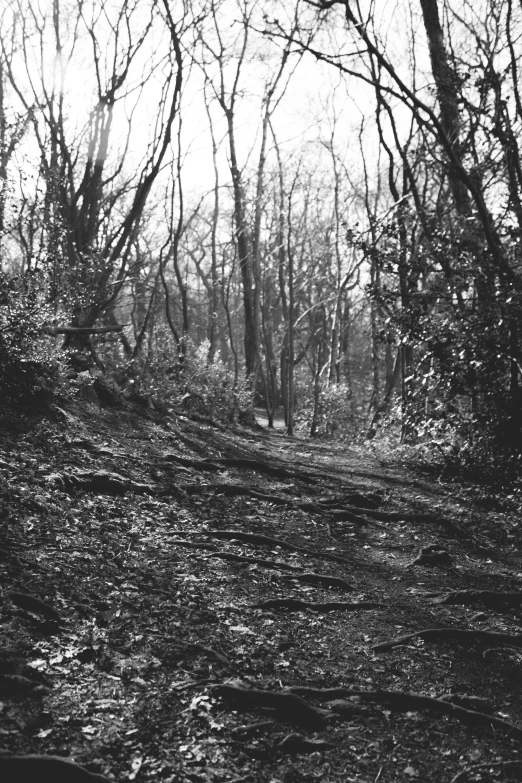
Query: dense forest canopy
point(313, 206)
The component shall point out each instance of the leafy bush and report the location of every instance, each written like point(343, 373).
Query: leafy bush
point(28, 365)
point(468, 430)
point(210, 389)
point(334, 414)
point(191, 383)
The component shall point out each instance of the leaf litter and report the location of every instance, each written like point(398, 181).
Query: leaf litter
point(158, 626)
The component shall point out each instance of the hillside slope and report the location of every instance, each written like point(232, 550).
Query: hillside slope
point(187, 603)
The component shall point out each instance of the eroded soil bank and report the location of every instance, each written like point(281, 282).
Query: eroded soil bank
point(187, 603)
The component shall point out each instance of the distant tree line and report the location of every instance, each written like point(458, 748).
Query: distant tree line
point(363, 276)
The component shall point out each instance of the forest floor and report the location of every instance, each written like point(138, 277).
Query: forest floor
point(183, 602)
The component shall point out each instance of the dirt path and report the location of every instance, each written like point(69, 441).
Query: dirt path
point(186, 603)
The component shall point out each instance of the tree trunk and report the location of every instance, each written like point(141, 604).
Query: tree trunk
point(391, 385)
point(448, 92)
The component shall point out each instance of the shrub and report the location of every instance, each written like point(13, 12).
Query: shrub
point(28, 365)
point(210, 388)
point(192, 383)
point(334, 413)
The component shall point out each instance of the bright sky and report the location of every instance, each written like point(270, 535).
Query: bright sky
point(305, 116)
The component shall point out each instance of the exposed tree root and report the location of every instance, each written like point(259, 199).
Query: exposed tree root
point(332, 510)
point(309, 578)
point(432, 555)
point(489, 598)
point(321, 694)
point(407, 702)
point(232, 490)
point(209, 651)
point(261, 467)
point(32, 604)
point(264, 563)
point(322, 508)
point(193, 544)
point(476, 703)
point(368, 501)
point(191, 646)
point(505, 766)
point(252, 728)
point(431, 634)
point(258, 538)
point(296, 743)
point(197, 464)
point(343, 509)
point(347, 516)
point(198, 489)
point(102, 482)
point(309, 506)
point(324, 579)
point(297, 605)
point(404, 516)
point(18, 685)
point(276, 564)
point(346, 708)
point(362, 512)
point(14, 769)
point(330, 505)
point(274, 499)
point(397, 516)
point(288, 706)
point(257, 466)
point(291, 706)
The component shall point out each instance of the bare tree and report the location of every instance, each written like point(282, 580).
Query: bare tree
point(93, 203)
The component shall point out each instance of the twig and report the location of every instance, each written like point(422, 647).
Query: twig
point(430, 634)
